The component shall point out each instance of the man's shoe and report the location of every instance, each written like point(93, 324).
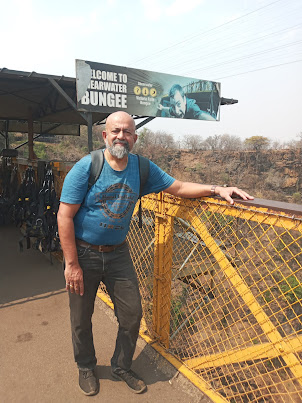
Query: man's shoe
point(88, 383)
point(134, 383)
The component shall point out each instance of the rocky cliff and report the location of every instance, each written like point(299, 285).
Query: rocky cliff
point(269, 174)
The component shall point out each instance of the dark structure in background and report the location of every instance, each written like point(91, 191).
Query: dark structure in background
point(39, 104)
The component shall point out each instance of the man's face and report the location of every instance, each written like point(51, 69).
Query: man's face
point(178, 104)
point(119, 135)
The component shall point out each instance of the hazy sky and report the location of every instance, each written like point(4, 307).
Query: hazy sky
point(253, 47)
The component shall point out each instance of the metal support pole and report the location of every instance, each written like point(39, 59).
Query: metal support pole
point(162, 275)
point(30, 123)
point(89, 125)
point(6, 134)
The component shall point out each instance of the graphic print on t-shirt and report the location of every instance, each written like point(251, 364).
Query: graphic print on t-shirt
point(116, 201)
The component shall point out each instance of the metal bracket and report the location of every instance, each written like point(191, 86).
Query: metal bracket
point(144, 122)
point(67, 97)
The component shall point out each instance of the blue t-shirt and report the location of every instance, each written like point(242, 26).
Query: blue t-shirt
point(106, 209)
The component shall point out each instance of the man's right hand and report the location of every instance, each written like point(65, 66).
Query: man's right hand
point(74, 279)
point(73, 272)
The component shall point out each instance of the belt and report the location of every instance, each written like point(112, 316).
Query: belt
point(99, 248)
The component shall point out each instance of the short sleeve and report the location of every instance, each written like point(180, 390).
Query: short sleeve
point(75, 185)
point(158, 180)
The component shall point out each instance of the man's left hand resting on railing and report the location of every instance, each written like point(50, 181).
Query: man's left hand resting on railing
point(194, 190)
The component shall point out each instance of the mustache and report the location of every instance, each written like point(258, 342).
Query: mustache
point(120, 142)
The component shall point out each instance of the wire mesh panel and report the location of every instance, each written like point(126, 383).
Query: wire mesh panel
point(221, 290)
point(237, 316)
point(141, 244)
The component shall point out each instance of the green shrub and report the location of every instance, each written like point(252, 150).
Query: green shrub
point(297, 197)
point(40, 151)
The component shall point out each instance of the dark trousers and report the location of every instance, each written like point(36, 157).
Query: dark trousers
point(115, 269)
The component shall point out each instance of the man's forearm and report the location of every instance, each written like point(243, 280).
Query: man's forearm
point(191, 190)
point(67, 240)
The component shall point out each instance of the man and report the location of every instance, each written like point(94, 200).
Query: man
point(93, 226)
point(183, 107)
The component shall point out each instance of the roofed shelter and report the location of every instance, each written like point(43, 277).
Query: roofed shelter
point(36, 103)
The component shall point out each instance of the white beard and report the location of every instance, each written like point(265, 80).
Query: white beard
point(118, 151)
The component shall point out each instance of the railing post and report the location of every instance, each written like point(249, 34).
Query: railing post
point(31, 154)
point(162, 274)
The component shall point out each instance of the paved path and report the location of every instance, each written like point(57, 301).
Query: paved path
point(35, 345)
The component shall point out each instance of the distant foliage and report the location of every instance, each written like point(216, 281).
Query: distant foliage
point(294, 144)
point(297, 197)
point(192, 142)
point(228, 142)
point(220, 159)
point(225, 142)
point(152, 144)
point(257, 143)
point(40, 151)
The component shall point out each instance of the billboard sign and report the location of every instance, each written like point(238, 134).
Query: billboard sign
point(107, 88)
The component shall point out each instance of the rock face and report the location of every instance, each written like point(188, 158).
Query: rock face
point(270, 174)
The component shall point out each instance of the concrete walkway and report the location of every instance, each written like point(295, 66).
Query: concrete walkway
point(35, 344)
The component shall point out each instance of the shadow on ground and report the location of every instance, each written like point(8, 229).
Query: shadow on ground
point(25, 274)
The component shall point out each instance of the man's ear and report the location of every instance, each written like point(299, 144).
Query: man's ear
point(104, 134)
point(135, 137)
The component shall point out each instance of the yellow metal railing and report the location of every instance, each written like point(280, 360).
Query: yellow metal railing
point(221, 288)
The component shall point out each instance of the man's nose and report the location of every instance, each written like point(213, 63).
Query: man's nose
point(121, 134)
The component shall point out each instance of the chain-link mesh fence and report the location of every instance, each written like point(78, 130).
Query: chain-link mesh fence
point(221, 288)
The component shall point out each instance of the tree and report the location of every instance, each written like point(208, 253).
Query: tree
point(164, 139)
point(147, 137)
point(212, 142)
point(192, 142)
point(228, 142)
point(277, 145)
point(299, 142)
point(154, 144)
point(257, 143)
